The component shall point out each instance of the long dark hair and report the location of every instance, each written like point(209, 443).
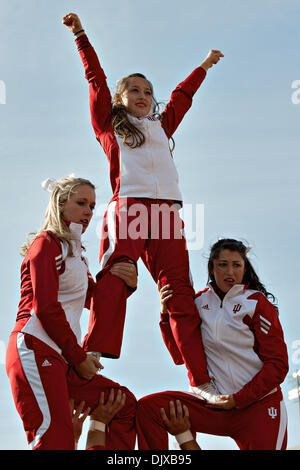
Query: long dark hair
point(250, 278)
point(132, 136)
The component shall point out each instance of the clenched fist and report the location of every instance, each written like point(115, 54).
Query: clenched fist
point(72, 22)
point(212, 58)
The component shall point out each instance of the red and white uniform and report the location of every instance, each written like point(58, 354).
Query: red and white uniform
point(247, 357)
point(146, 176)
point(147, 171)
point(45, 344)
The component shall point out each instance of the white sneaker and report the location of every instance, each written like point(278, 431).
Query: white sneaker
point(207, 392)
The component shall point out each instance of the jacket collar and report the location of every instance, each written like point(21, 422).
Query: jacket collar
point(235, 290)
point(76, 230)
point(150, 117)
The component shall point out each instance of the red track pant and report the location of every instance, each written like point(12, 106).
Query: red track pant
point(42, 383)
point(261, 426)
point(135, 228)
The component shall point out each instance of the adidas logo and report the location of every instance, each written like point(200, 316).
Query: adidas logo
point(206, 307)
point(46, 363)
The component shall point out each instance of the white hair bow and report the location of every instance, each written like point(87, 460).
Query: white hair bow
point(49, 184)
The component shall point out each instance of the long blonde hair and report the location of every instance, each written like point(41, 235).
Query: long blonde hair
point(61, 193)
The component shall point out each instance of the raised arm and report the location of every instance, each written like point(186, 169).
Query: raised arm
point(182, 96)
point(100, 97)
point(73, 24)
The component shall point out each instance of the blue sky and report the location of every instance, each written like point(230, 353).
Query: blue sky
point(237, 152)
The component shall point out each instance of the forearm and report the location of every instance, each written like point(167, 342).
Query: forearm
point(61, 333)
point(267, 379)
point(193, 81)
point(92, 67)
point(169, 339)
point(272, 351)
point(53, 320)
point(79, 33)
point(191, 445)
point(205, 65)
point(99, 93)
point(181, 100)
point(95, 438)
point(45, 283)
point(74, 25)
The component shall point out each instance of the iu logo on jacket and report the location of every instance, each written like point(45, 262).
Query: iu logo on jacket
point(272, 412)
point(236, 308)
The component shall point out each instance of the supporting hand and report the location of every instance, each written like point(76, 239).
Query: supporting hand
point(78, 417)
point(126, 271)
point(225, 402)
point(179, 425)
point(106, 411)
point(89, 367)
point(179, 420)
point(165, 294)
point(101, 416)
